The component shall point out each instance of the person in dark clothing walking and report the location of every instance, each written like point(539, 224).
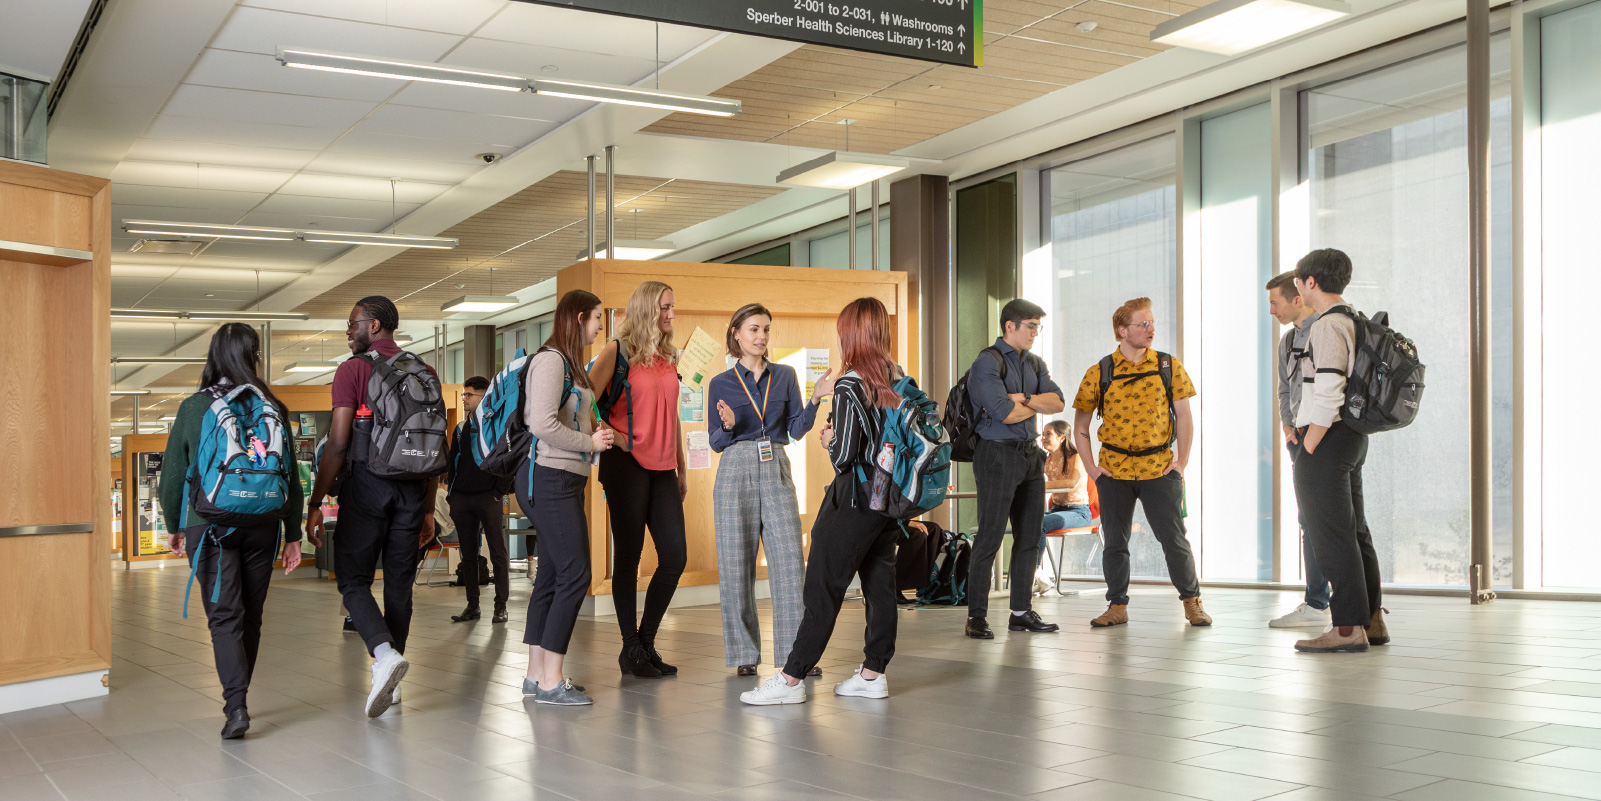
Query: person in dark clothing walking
point(239, 564)
point(477, 504)
point(1009, 387)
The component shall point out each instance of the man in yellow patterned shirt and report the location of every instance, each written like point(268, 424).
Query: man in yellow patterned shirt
point(1145, 413)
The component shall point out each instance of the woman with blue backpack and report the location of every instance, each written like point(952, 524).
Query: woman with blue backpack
point(558, 408)
point(226, 492)
point(849, 536)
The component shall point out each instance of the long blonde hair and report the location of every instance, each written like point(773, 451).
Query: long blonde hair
point(641, 338)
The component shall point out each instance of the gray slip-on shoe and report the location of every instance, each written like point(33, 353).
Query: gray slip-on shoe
point(564, 694)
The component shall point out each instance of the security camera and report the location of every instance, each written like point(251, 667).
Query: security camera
point(490, 158)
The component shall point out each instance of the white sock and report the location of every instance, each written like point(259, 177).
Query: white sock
point(1023, 613)
point(381, 649)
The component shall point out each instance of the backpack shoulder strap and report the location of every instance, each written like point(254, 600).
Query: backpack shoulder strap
point(999, 359)
point(1165, 369)
point(1106, 367)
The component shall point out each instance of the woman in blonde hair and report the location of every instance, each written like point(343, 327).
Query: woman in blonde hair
point(645, 478)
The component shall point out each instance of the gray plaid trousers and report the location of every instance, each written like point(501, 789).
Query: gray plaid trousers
point(754, 505)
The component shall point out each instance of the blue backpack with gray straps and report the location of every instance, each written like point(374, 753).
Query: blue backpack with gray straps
point(240, 472)
point(502, 439)
point(907, 473)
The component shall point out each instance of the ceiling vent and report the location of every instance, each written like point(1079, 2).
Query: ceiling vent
point(165, 246)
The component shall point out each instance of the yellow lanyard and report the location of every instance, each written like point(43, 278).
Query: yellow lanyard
point(765, 394)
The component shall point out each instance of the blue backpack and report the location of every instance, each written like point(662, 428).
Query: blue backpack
point(502, 440)
point(909, 471)
point(240, 473)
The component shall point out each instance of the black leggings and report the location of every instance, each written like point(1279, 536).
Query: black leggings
point(638, 498)
point(244, 563)
point(562, 545)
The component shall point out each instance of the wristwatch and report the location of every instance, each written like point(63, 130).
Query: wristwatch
point(1026, 398)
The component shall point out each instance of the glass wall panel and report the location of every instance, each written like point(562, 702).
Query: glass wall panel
point(1236, 431)
point(833, 251)
point(1113, 237)
point(1385, 158)
point(1570, 141)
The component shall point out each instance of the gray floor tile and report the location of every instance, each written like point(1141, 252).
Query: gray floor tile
point(315, 774)
point(782, 791)
point(142, 790)
point(242, 788)
point(60, 747)
point(1354, 752)
point(1346, 776)
point(1180, 779)
point(1577, 736)
point(383, 791)
point(1410, 737)
point(1453, 790)
point(28, 787)
point(17, 763)
point(1121, 741)
point(1576, 758)
point(1519, 775)
point(1102, 790)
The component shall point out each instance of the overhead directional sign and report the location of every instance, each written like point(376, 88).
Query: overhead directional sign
point(946, 31)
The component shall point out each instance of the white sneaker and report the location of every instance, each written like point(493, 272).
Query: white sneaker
point(386, 675)
point(394, 697)
point(1302, 617)
point(858, 687)
point(775, 691)
point(1042, 585)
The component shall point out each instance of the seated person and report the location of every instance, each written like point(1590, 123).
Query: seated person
point(1069, 508)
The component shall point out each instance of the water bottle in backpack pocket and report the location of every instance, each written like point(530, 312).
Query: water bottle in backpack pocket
point(910, 470)
point(408, 418)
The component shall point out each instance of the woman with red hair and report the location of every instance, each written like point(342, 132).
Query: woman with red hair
point(848, 538)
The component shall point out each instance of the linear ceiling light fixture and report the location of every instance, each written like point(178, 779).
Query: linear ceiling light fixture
point(206, 316)
point(302, 58)
point(839, 170)
point(159, 360)
point(308, 367)
point(1230, 27)
point(286, 234)
point(634, 249)
point(130, 392)
point(480, 303)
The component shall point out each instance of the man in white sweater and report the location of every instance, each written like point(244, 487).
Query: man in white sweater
point(1328, 467)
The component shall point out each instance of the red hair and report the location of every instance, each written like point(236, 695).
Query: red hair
point(864, 343)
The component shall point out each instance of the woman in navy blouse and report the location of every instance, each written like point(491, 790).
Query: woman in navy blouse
point(757, 411)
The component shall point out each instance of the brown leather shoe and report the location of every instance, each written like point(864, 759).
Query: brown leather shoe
point(1114, 615)
point(1378, 633)
point(1331, 642)
point(1194, 613)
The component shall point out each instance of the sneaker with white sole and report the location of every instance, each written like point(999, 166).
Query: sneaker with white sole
point(1302, 617)
point(386, 675)
point(394, 697)
point(564, 694)
point(775, 691)
point(1042, 585)
point(858, 687)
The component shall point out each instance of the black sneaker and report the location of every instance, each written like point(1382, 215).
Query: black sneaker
point(978, 629)
point(350, 625)
point(1030, 622)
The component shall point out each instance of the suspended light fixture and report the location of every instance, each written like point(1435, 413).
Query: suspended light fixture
point(386, 240)
point(398, 69)
point(480, 303)
point(1230, 27)
point(158, 360)
point(231, 316)
point(308, 367)
point(130, 392)
point(287, 234)
point(634, 249)
point(839, 170)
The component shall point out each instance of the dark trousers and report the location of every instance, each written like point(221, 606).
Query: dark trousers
point(556, 509)
point(638, 498)
point(473, 513)
point(379, 522)
point(1328, 487)
point(243, 560)
point(1011, 486)
point(1163, 500)
point(1317, 585)
point(847, 540)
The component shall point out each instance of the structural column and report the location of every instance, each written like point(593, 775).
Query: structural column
point(1481, 532)
point(920, 246)
point(478, 351)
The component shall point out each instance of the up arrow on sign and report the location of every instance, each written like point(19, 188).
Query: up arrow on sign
point(961, 30)
point(961, 46)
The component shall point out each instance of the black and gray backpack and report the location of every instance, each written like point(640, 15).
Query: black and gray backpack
point(408, 418)
point(1385, 386)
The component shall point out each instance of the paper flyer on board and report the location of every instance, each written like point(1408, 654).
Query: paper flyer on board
point(816, 365)
point(691, 404)
point(699, 452)
point(698, 361)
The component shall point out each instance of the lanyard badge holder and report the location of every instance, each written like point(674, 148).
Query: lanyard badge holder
point(764, 443)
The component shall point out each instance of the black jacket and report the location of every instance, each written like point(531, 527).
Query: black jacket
point(462, 475)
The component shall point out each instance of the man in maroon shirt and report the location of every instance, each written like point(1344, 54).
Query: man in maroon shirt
point(379, 518)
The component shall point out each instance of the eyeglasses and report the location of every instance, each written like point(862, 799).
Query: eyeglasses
point(1147, 325)
point(350, 325)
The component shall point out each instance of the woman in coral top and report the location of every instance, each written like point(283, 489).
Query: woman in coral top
point(645, 475)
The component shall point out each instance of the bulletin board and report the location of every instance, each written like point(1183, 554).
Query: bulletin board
point(805, 303)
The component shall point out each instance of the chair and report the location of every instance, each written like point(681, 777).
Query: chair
point(444, 537)
point(1063, 533)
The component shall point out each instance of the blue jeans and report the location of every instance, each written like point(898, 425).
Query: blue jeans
point(1317, 587)
point(1060, 517)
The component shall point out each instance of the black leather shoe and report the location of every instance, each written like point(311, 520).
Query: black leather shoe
point(815, 671)
point(978, 629)
point(649, 644)
point(470, 613)
point(502, 617)
point(350, 625)
point(238, 723)
point(635, 662)
point(1030, 622)
point(746, 670)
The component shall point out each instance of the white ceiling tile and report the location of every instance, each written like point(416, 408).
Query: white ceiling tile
point(140, 211)
point(240, 133)
point(190, 198)
point(456, 16)
point(596, 33)
point(240, 105)
point(333, 207)
point(283, 253)
point(268, 158)
point(256, 30)
point(512, 132)
point(359, 188)
point(235, 70)
point(445, 172)
point(414, 147)
point(198, 176)
point(276, 220)
point(530, 59)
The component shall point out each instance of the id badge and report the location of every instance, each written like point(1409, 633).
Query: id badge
point(764, 449)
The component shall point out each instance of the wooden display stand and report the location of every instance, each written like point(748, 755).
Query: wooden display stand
point(805, 303)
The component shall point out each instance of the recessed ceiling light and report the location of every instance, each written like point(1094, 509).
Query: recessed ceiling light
point(479, 303)
point(550, 68)
point(838, 170)
point(1229, 27)
point(633, 249)
point(1088, 26)
point(209, 295)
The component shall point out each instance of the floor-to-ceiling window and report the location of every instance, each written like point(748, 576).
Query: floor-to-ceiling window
point(1384, 157)
point(1112, 232)
point(1570, 175)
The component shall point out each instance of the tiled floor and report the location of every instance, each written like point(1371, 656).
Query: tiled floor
point(1501, 702)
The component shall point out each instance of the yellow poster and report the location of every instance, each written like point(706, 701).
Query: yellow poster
point(699, 360)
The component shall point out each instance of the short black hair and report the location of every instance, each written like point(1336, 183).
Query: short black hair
point(383, 310)
point(477, 382)
point(1018, 310)
point(1331, 268)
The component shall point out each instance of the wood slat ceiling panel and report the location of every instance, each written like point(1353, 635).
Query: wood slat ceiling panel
point(542, 228)
point(152, 407)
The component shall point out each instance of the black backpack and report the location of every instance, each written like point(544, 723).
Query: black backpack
point(408, 418)
point(1385, 386)
point(1164, 368)
point(483, 573)
point(947, 579)
point(960, 421)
